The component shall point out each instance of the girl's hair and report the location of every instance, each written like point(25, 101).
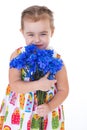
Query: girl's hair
point(36, 13)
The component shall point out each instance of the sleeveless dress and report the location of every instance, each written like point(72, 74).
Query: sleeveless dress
point(18, 111)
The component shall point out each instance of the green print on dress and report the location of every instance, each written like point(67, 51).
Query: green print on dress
point(6, 114)
point(21, 121)
point(55, 120)
point(35, 122)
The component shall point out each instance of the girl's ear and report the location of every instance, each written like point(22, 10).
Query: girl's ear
point(52, 31)
point(21, 31)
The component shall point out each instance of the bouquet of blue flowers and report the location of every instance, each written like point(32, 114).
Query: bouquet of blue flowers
point(37, 63)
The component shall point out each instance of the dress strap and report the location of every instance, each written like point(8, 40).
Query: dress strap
point(19, 50)
point(58, 56)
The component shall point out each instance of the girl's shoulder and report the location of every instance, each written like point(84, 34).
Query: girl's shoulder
point(56, 54)
point(16, 53)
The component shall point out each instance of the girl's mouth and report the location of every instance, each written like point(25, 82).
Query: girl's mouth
point(40, 46)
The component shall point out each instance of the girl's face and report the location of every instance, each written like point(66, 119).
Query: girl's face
point(38, 33)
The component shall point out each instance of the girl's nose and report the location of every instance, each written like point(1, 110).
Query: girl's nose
point(36, 39)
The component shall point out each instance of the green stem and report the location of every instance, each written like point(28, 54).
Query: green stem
point(41, 95)
point(41, 123)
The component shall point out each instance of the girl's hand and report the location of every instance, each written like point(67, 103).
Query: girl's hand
point(43, 110)
point(45, 84)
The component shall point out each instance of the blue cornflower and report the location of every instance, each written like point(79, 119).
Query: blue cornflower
point(37, 60)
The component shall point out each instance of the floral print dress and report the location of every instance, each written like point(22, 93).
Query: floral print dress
point(18, 111)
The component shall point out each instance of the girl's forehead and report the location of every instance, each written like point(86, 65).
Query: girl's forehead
point(40, 23)
point(36, 20)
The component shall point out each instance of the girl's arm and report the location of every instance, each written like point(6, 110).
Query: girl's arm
point(63, 90)
point(19, 86)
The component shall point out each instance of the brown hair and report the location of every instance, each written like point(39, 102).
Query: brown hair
point(35, 13)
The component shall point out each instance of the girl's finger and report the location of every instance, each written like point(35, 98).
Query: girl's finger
point(47, 75)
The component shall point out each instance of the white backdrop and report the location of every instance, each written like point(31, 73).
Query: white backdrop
point(69, 40)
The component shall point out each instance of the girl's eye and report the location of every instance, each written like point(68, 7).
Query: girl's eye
point(43, 34)
point(31, 35)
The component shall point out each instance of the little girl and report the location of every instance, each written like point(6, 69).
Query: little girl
point(20, 109)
